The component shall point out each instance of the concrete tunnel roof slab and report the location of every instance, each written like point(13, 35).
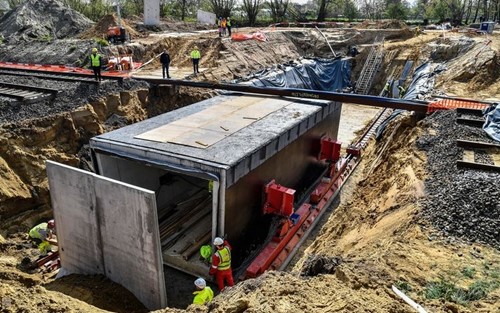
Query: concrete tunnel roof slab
point(229, 151)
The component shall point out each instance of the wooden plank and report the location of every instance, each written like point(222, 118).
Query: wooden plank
point(479, 166)
point(468, 156)
point(476, 144)
point(470, 121)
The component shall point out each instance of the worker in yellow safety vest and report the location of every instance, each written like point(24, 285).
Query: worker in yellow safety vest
point(221, 263)
point(43, 236)
point(203, 293)
point(402, 91)
point(195, 57)
point(95, 64)
point(228, 25)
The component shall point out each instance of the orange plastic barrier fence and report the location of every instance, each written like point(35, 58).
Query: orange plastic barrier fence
point(242, 37)
point(450, 104)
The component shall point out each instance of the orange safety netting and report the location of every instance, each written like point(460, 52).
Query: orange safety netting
point(241, 37)
point(451, 104)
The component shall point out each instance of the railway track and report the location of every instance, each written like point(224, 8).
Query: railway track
point(26, 94)
point(59, 77)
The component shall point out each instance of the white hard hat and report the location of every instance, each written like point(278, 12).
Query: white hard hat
point(218, 241)
point(200, 283)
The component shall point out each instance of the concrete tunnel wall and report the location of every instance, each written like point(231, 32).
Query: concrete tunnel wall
point(244, 199)
point(146, 176)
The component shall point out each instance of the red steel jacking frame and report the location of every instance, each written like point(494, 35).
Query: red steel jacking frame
point(315, 212)
point(275, 247)
point(278, 250)
point(279, 199)
point(330, 149)
point(57, 69)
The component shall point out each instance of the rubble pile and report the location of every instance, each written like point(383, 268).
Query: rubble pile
point(461, 203)
point(100, 29)
point(42, 20)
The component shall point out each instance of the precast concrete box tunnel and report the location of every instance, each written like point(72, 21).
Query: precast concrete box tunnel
point(167, 185)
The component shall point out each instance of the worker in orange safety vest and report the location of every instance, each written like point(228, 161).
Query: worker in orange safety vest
point(221, 263)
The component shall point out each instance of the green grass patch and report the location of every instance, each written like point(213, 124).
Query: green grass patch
point(448, 291)
point(403, 285)
point(102, 42)
point(469, 271)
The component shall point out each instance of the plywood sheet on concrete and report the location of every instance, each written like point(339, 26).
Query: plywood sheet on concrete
point(207, 127)
point(108, 227)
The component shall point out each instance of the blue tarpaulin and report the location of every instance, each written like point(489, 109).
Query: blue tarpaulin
point(315, 74)
point(492, 124)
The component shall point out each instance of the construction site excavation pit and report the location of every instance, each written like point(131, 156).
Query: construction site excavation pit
point(139, 175)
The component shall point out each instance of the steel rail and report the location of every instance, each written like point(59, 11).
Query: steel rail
point(29, 88)
point(51, 77)
point(26, 93)
point(299, 93)
point(71, 74)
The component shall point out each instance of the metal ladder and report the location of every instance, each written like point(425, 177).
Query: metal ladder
point(372, 65)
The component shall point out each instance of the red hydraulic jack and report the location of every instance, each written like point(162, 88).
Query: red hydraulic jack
point(279, 201)
point(277, 253)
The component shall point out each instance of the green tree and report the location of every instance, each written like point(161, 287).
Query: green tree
point(350, 10)
point(396, 10)
point(222, 7)
point(279, 9)
point(251, 8)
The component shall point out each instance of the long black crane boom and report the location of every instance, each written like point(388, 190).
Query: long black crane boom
point(299, 93)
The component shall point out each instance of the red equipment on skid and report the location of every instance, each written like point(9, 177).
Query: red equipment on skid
point(297, 224)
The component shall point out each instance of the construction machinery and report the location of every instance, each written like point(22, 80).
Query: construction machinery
point(117, 34)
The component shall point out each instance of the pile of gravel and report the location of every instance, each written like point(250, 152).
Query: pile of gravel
point(462, 203)
point(42, 20)
point(71, 96)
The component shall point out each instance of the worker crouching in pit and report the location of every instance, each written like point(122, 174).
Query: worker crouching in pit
point(203, 293)
point(43, 236)
point(221, 264)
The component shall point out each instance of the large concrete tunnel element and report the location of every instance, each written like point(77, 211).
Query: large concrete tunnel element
point(193, 174)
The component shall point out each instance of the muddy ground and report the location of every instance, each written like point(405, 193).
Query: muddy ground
point(375, 237)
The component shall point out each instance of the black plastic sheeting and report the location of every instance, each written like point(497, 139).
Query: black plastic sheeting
point(421, 85)
point(492, 124)
point(314, 74)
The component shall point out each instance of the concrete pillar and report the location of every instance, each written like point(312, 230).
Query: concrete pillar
point(151, 12)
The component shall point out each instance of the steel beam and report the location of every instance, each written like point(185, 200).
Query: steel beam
point(299, 93)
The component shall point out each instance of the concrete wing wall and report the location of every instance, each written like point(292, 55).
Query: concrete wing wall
point(108, 227)
point(73, 202)
point(132, 251)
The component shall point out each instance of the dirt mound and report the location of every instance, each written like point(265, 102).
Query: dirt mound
point(100, 29)
point(383, 24)
point(42, 20)
point(477, 67)
point(461, 203)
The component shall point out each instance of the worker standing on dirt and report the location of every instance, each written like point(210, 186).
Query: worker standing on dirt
point(195, 57)
point(402, 91)
point(221, 263)
point(203, 293)
point(42, 236)
point(224, 25)
point(228, 24)
point(165, 63)
point(95, 64)
point(219, 26)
